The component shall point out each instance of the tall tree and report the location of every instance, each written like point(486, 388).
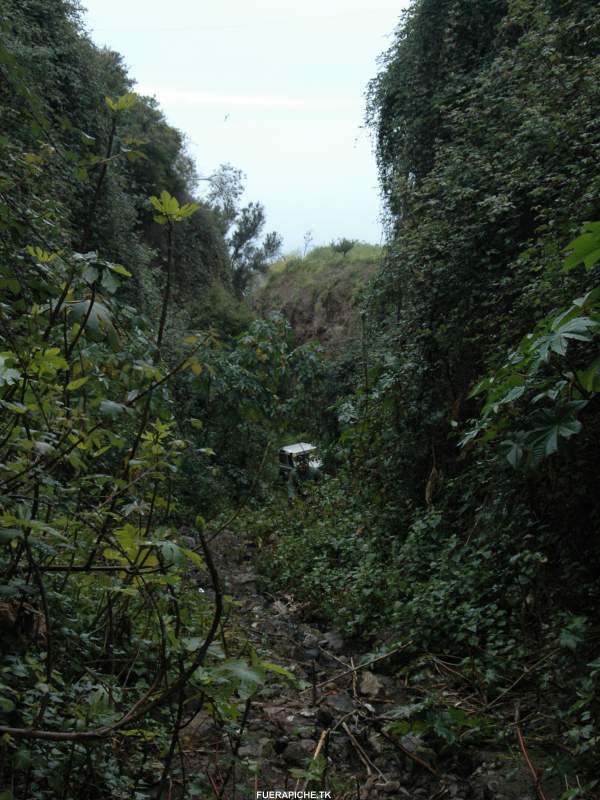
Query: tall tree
point(251, 252)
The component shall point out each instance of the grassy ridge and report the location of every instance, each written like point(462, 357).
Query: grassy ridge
point(319, 293)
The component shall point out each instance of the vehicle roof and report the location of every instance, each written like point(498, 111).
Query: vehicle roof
point(300, 447)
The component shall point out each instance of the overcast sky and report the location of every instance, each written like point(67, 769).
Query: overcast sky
point(275, 88)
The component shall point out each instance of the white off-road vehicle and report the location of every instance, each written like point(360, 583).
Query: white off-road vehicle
point(292, 453)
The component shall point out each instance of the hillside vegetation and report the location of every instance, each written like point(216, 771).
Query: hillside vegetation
point(320, 295)
point(138, 396)
point(454, 537)
point(466, 521)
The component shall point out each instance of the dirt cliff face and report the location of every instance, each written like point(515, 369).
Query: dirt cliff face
point(319, 293)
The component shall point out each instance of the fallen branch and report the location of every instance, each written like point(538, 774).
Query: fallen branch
point(354, 680)
point(319, 747)
point(413, 756)
point(99, 568)
point(213, 783)
point(354, 670)
point(524, 674)
point(370, 766)
point(321, 742)
point(535, 774)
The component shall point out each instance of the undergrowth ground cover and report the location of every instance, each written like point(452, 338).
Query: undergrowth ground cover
point(151, 365)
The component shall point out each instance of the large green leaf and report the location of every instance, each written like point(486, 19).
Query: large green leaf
point(589, 378)
point(585, 249)
point(170, 210)
point(171, 553)
point(560, 423)
point(250, 678)
point(557, 341)
point(8, 375)
point(99, 325)
point(516, 449)
point(110, 409)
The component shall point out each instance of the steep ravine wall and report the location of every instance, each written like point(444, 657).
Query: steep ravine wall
point(320, 294)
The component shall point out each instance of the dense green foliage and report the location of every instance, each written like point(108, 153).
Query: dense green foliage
point(459, 403)
point(117, 301)
point(243, 402)
point(471, 434)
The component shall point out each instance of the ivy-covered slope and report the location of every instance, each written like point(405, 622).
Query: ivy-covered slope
point(64, 79)
point(466, 521)
point(482, 206)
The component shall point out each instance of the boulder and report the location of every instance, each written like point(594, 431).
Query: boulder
point(298, 753)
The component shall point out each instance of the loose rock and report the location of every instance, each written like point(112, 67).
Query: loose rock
point(332, 641)
point(297, 753)
point(339, 702)
point(371, 685)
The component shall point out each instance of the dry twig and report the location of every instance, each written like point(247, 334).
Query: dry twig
point(353, 669)
point(535, 774)
point(369, 765)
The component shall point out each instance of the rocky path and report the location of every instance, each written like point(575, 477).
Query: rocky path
point(325, 733)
